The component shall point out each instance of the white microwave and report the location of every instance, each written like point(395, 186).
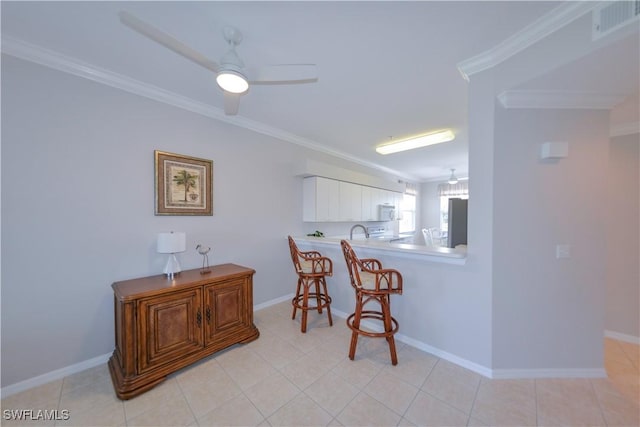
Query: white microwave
point(386, 213)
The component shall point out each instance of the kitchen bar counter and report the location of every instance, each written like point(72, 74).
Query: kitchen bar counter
point(404, 250)
point(438, 309)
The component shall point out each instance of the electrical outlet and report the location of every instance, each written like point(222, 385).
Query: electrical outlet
point(563, 251)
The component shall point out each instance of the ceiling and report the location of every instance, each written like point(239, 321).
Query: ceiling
point(386, 69)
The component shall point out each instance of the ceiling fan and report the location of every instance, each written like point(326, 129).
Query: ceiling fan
point(231, 74)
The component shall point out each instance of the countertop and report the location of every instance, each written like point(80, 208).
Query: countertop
point(432, 253)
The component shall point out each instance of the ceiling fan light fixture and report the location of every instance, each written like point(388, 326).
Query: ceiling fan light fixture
point(416, 142)
point(453, 179)
point(232, 81)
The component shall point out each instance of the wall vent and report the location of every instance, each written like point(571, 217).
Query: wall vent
point(611, 16)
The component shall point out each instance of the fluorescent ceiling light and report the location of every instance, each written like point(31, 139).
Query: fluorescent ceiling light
point(416, 142)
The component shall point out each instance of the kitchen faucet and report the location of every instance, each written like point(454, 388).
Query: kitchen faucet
point(366, 233)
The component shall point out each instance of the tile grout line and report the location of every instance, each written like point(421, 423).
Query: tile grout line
point(279, 372)
point(473, 404)
point(602, 414)
point(242, 392)
point(629, 357)
point(60, 400)
point(535, 399)
point(193, 414)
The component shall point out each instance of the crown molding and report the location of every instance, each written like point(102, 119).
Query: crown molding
point(558, 99)
point(623, 129)
point(542, 27)
point(67, 64)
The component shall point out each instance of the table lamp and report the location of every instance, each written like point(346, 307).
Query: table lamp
point(172, 243)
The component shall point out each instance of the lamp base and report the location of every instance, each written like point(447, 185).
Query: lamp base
point(172, 268)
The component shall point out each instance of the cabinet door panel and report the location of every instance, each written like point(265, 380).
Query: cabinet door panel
point(226, 309)
point(369, 206)
point(320, 199)
point(328, 199)
point(169, 328)
point(350, 202)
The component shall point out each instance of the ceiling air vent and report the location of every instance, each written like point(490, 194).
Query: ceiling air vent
point(610, 16)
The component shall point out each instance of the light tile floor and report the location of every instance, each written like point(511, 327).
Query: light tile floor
point(289, 378)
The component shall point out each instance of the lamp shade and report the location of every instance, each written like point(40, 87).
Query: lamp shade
point(171, 243)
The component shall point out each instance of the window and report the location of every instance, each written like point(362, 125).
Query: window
point(408, 210)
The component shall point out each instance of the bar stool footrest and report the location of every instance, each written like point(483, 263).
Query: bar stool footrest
point(376, 315)
point(298, 300)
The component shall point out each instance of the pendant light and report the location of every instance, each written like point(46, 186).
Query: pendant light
point(453, 179)
point(230, 76)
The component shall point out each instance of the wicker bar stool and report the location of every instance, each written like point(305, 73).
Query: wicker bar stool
point(312, 269)
point(372, 283)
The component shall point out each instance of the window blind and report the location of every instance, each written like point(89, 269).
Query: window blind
point(454, 190)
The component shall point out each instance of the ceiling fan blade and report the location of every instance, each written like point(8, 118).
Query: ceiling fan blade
point(166, 40)
point(231, 103)
point(283, 74)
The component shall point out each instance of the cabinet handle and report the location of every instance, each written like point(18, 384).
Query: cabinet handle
point(208, 314)
point(199, 318)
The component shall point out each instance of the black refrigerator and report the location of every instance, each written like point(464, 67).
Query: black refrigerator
point(457, 234)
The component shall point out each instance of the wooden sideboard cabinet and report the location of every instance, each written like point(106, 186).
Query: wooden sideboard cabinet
point(162, 324)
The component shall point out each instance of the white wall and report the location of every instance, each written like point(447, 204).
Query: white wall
point(429, 205)
point(478, 298)
point(623, 235)
point(78, 209)
point(548, 313)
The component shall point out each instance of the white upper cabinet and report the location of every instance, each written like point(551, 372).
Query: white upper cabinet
point(386, 197)
point(369, 203)
point(350, 205)
point(321, 199)
point(329, 200)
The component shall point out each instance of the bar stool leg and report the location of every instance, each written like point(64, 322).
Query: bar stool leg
point(388, 327)
point(305, 306)
point(324, 285)
point(316, 282)
point(295, 308)
point(356, 325)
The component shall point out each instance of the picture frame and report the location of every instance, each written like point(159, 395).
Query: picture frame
point(183, 184)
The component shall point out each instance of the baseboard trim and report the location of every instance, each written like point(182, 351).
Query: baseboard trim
point(504, 374)
point(622, 337)
point(273, 302)
point(53, 375)
point(483, 370)
point(472, 366)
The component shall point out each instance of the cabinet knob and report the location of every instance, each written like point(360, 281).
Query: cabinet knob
point(208, 314)
point(199, 318)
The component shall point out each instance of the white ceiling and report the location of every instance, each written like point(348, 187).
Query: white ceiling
point(385, 68)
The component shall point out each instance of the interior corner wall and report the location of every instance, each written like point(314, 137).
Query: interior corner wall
point(548, 313)
point(623, 235)
point(479, 265)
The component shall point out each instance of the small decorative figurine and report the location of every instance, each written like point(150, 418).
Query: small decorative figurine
point(204, 251)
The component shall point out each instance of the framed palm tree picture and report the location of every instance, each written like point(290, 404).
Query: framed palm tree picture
point(184, 184)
